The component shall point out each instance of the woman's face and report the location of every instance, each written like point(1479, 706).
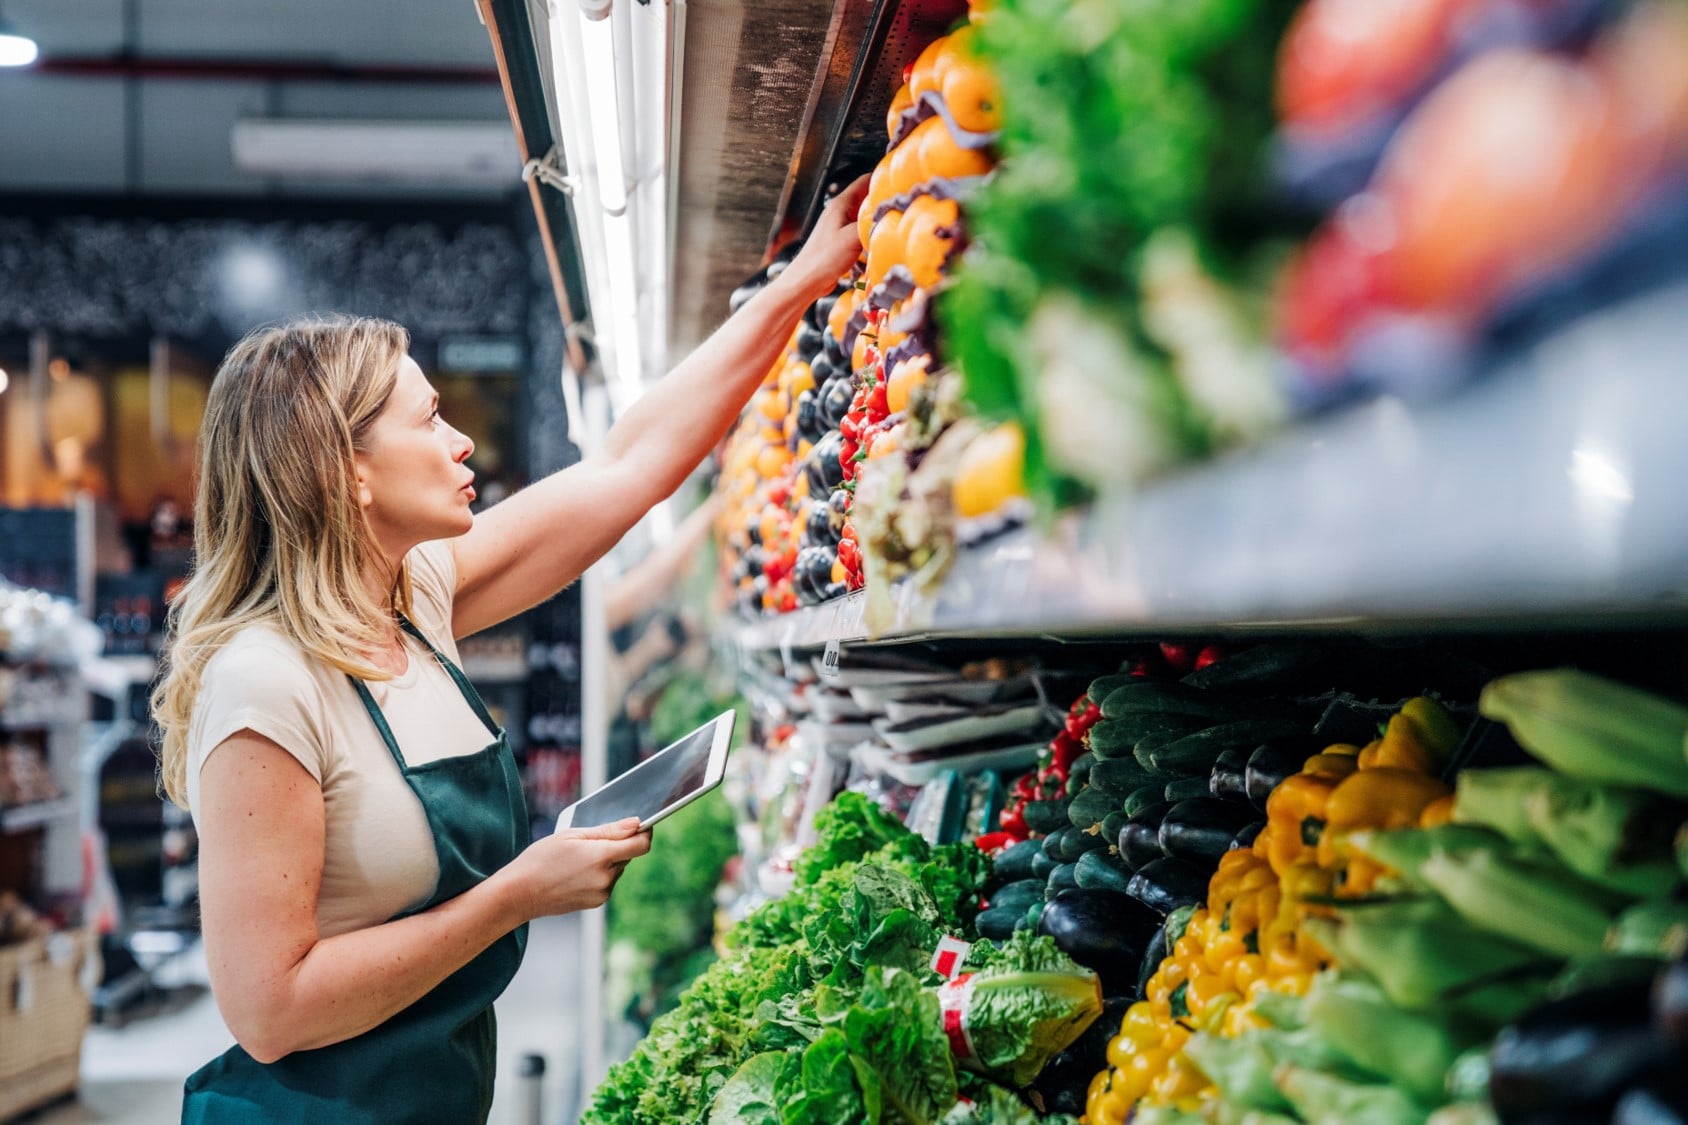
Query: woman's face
point(412, 480)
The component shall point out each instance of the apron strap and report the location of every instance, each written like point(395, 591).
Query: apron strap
point(457, 677)
point(381, 726)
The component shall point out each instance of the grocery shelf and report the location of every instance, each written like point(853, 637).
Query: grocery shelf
point(21, 818)
point(1550, 489)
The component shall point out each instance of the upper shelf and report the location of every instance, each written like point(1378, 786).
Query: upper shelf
point(1551, 490)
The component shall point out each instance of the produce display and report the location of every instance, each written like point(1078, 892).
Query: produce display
point(820, 475)
point(1275, 883)
point(827, 1008)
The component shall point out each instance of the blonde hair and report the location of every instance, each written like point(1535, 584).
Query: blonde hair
point(279, 535)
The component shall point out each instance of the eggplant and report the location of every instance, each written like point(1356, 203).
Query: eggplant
point(821, 310)
point(1670, 1003)
point(809, 339)
point(1152, 958)
point(823, 528)
point(1104, 931)
point(836, 397)
point(1272, 762)
point(1167, 883)
point(825, 470)
point(813, 572)
point(1245, 839)
point(1572, 1058)
point(1064, 1083)
point(821, 367)
point(1657, 1103)
point(1139, 840)
point(1014, 862)
point(1230, 774)
point(1201, 829)
point(811, 427)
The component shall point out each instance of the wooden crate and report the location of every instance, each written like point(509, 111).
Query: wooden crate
point(43, 1015)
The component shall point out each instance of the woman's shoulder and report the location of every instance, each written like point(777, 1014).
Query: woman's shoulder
point(261, 654)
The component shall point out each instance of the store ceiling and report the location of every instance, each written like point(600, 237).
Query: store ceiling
point(139, 97)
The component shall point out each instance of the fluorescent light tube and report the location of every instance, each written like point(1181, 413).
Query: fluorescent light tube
point(598, 46)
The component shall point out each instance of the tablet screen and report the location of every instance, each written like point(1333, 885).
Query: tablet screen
point(652, 786)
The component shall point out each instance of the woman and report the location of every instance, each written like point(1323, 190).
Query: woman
point(365, 879)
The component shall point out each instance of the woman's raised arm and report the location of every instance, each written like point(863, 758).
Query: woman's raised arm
point(526, 548)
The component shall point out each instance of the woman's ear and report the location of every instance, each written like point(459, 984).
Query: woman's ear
point(365, 496)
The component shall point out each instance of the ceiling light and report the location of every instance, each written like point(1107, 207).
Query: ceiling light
point(16, 48)
point(450, 152)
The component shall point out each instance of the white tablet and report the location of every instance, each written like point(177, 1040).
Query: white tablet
point(662, 784)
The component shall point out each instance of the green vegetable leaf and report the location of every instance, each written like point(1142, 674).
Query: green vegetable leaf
point(896, 1032)
point(830, 1094)
point(755, 1093)
point(1030, 1002)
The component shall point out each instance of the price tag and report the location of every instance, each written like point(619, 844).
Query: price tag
point(829, 658)
point(788, 659)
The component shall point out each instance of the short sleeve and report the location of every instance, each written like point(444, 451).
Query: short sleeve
point(433, 586)
point(262, 684)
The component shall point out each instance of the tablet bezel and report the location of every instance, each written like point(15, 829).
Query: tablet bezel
point(713, 772)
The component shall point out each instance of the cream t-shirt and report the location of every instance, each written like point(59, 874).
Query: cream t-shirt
point(378, 858)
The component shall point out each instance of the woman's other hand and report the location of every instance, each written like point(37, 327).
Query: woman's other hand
point(574, 869)
point(833, 245)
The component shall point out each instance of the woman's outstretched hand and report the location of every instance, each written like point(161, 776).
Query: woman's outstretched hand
point(574, 869)
point(833, 245)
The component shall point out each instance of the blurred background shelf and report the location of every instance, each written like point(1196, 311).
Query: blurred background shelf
point(21, 818)
point(1547, 492)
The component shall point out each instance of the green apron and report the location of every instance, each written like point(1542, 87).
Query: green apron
point(435, 1061)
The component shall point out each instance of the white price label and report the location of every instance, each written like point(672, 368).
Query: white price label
point(26, 988)
point(829, 658)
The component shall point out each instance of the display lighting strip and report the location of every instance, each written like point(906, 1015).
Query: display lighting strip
point(615, 91)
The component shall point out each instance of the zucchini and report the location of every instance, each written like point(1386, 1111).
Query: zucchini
point(1015, 862)
point(998, 923)
point(1078, 774)
point(1063, 878)
point(1184, 788)
point(1018, 896)
point(1166, 884)
point(1076, 842)
point(1196, 753)
point(1139, 840)
point(1151, 794)
point(1291, 669)
point(1103, 686)
point(1052, 843)
point(1177, 699)
point(1099, 869)
point(1042, 865)
point(1034, 914)
point(1115, 738)
point(1230, 774)
point(1201, 830)
point(1111, 824)
point(1046, 816)
point(1120, 776)
point(1090, 806)
point(1144, 753)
